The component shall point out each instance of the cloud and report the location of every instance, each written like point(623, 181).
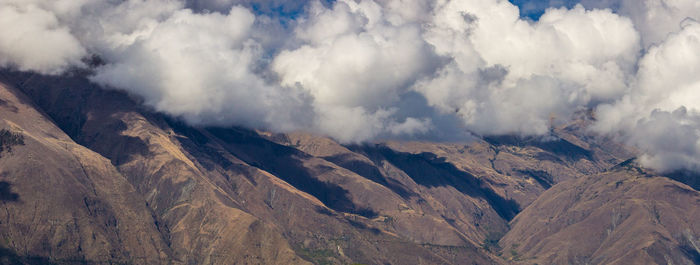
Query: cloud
point(654, 19)
point(33, 40)
point(511, 76)
point(660, 114)
point(356, 64)
point(670, 140)
point(202, 67)
point(358, 70)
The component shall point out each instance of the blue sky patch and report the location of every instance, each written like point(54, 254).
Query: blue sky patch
point(533, 9)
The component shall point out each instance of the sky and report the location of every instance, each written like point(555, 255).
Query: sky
point(358, 70)
point(533, 9)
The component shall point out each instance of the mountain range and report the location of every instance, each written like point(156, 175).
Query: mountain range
point(92, 176)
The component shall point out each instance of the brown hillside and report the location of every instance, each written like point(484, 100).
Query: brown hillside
point(619, 217)
point(63, 202)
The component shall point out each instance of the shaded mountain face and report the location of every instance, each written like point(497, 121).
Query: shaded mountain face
point(97, 177)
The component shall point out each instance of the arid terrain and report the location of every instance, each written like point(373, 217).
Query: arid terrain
point(91, 176)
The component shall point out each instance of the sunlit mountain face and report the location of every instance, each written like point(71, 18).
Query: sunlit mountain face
point(346, 132)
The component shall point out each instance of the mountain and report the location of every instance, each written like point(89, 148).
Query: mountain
point(64, 202)
point(622, 216)
point(90, 175)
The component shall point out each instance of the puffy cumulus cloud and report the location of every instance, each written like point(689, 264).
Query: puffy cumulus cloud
point(670, 140)
point(660, 114)
point(356, 64)
point(61, 8)
point(74, 28)
point(355, 124)
point(201, 67)
point(655, 19)
point(34, 40)
point(108, 27)
point(207, 67)
point(512, 76)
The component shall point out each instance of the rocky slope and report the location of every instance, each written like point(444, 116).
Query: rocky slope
point(100, 178)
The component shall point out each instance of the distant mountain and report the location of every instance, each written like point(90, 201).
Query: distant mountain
point(99, 178)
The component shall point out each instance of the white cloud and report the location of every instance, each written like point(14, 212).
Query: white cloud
point(356, 65)
point(655, 19)
point(201, 67)
point(660, 114)
point(670, 140)
point(510, 75)
point(33, 40)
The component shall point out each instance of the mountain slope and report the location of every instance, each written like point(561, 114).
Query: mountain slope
point(189, 176)
point(623, 216)
point(66, 202)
